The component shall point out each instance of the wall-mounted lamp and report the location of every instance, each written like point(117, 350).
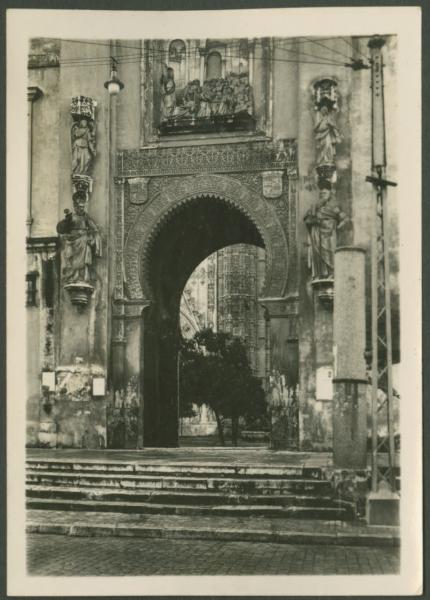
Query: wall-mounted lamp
point(114, 85)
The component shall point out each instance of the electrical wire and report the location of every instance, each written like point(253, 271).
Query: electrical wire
point(161, 56)
point(158, 54)
point(301, 53)
point(327, 48)
point(355, 49)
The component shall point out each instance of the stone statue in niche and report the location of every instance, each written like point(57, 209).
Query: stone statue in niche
point(168, 93)
point(327, 136)
point(83, 135)
point(323, 221)
point(83, 146)
point(326, 132)
point(81, 243)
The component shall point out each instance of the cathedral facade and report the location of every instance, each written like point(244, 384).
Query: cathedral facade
point(147, 157)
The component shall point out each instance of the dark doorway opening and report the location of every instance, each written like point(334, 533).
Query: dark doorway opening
point(194, 231)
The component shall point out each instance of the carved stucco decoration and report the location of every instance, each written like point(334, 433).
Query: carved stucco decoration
point(149, 221)
point(211, 158)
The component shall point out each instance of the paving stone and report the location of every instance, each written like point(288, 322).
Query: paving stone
point(58, 555)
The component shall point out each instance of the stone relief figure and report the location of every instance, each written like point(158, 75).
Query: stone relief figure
point(205, 100)
point(228, 101)
point(322, 222)
point(192, 92)
point(83, 146)
point(168, 93)
point(327, 136)
point(81, 241)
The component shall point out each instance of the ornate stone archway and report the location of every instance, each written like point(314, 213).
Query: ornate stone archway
point(174, 195)
point(256, 180)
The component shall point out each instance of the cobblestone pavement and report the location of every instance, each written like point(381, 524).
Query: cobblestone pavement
point(67, 556)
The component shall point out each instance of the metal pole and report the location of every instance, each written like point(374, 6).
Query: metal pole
point(388, 342)
point(374, 287)
point(380, 275)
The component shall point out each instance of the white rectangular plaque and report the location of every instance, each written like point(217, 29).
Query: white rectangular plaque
point(48, 380)
point(99, 386)
point(324, 383)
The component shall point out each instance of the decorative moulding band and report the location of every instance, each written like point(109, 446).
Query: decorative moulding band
point(213, 158)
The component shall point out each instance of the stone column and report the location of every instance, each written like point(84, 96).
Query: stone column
point(33, 93)
point(349, 341)
point(203, 53)
point(282, 389)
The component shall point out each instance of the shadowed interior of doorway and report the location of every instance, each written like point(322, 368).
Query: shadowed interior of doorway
point(187, 236)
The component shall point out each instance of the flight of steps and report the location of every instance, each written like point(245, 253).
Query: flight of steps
point(183, 489)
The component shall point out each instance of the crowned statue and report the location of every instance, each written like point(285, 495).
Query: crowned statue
point(81, 243)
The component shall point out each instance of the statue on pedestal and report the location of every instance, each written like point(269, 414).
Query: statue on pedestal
point(81, 243)
point(322, 221)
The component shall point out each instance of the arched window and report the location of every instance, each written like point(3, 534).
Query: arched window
point(214, 66)
point(177, 50)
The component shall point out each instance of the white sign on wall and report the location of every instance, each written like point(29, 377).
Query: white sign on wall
point(48, 380)
point(324, 383)
point(99, 386)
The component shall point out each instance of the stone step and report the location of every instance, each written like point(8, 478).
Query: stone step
point(143, 481)
point(190, 469)
point(290, 512)
point(185, 497)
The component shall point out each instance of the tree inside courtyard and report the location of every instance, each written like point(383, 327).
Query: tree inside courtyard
point(215, 371)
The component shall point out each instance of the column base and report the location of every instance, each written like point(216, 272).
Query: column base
point(383, 507)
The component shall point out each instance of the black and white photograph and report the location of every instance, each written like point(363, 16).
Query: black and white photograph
point(217, 361)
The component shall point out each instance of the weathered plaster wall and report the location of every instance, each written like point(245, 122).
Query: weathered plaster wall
point(285, 96)
point(316, 336)
point(89, 339)
point(45, 135)
point(129, 100)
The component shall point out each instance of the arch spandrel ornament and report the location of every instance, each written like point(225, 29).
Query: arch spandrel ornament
point(172, 196)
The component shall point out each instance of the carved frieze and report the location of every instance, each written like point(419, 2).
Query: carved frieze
point(215, 104)
point(211, 158)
